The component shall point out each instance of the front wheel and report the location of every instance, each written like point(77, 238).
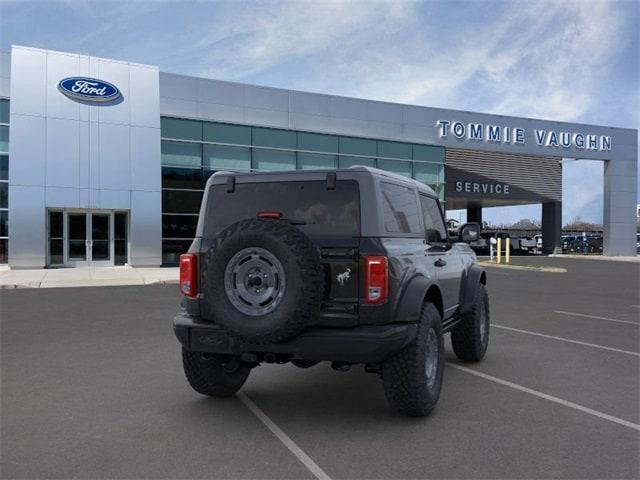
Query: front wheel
point(214, 375)
point(412, 378)
point(470, 338)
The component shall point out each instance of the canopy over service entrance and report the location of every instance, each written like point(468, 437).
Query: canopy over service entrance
point(477, 179)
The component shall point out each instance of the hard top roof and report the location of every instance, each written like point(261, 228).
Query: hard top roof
point(358, 169)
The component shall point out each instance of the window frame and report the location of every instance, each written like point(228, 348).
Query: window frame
point(191, 216)
point(206, 159)
point(6, 101)
point(168, 192)
point(196, 125)
point(5, 238)
point(166, 141)
point(5, 184)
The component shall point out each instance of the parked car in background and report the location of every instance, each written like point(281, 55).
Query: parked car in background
point(582, 244)
point(538, 239)
point(568, 243)
point(480, 246)
point(528, 245)
point(595, 243)
point(519, 245)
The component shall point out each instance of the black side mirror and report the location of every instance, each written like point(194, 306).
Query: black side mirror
point(470, 232)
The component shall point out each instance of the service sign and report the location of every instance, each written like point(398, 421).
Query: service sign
point(88, 89)
point(478, 132)
point(485, 188)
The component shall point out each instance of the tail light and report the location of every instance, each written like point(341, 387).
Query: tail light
point(376, 279)
point(273, 215)
point(189, 275)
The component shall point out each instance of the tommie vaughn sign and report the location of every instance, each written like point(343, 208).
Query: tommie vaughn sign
point(478, 132)
point(88, 89)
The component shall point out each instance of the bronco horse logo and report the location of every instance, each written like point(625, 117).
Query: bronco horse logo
point(343, 277)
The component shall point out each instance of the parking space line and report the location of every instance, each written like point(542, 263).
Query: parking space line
point(284, 438)
point(551, 398)
point(563, 339)
point(573, 314)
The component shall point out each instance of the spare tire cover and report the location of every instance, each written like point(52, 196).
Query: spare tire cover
point(262, 281)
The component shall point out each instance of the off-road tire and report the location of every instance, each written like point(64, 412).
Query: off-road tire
point(210, 375)
point(467, 340)
point(404, 374)
point(305, 283)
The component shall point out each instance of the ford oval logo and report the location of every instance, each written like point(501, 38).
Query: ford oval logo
point(88, 89)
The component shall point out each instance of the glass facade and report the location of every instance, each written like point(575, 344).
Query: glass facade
point(56, 237)
point(4, 181)
point(193, 150)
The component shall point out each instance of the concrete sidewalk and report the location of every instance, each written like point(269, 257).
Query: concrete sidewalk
point(86, 277)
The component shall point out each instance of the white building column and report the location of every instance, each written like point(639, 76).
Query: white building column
point(620, 199)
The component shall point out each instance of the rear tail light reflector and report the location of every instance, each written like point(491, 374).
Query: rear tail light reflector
point(376, 279)
point(273, 215)
point(189, 275)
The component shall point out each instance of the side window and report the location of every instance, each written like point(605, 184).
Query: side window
point(400, 209)
point(435, 229)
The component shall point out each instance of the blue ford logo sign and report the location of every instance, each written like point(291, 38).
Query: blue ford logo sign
point(88, 89)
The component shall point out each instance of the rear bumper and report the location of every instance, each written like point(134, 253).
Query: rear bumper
point(363, 344)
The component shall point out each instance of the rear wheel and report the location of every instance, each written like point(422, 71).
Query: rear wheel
point(214, 375)
point(470, 338)
point(412, 378)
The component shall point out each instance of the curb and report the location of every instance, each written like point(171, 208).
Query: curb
point(72, 284)
point(601, 258)
point(523, 267)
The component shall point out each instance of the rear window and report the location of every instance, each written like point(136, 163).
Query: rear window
point(326, 212)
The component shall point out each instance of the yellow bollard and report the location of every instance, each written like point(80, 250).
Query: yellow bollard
point(499, 245)
point(507, 249)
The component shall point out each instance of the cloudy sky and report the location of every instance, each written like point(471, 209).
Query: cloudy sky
point(560, 60)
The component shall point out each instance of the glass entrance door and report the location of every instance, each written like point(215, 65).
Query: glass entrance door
point(89, 239)
point(81, 238)
point(77, 241)
point(100, 241)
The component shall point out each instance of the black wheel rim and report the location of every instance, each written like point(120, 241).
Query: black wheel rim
point(484, 324)
point(254, 281)
point(432, 358)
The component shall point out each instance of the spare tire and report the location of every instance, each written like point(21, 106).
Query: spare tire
point(262, 281)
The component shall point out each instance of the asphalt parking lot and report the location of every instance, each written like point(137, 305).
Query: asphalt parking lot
point(92, 387)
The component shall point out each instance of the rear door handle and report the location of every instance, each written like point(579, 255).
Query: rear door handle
point(440, 263)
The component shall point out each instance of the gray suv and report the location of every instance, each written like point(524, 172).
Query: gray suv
point(351, 266)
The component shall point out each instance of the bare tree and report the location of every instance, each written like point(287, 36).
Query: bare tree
point(526, 224)
point(577, 225)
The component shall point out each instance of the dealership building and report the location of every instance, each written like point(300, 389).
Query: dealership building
point(103, 162)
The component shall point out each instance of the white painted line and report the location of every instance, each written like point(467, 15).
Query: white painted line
point(637, 306)
point(551, 398)
point(562, 339)
point(573, 314)
point(284, 438)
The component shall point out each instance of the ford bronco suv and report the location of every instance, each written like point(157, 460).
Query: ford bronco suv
point(351, 266)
